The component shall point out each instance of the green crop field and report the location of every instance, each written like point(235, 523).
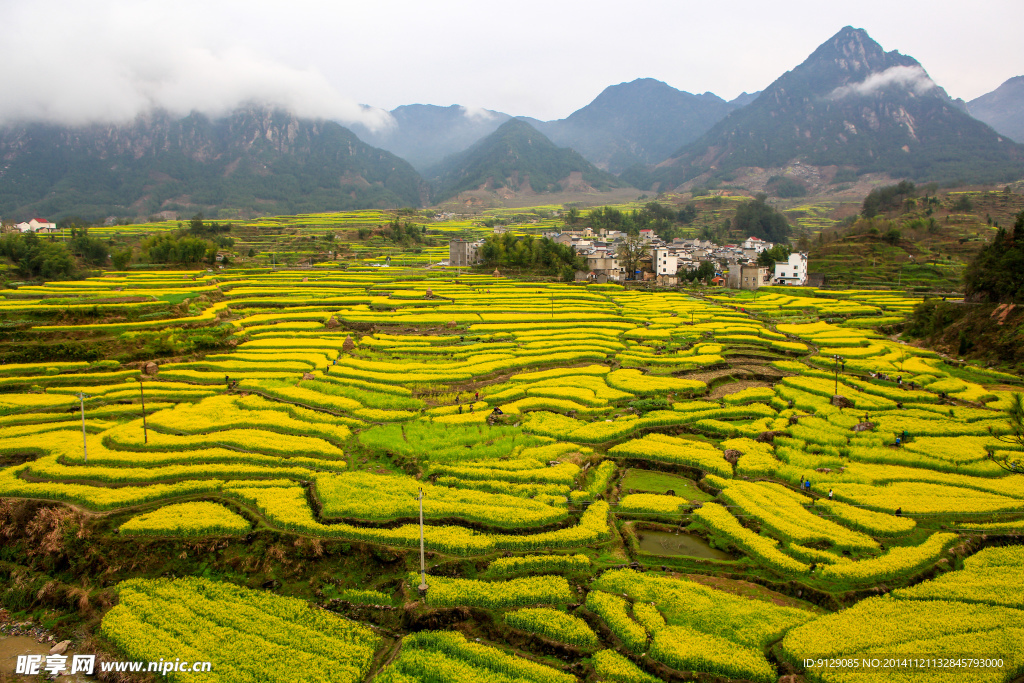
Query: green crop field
point(295, 419)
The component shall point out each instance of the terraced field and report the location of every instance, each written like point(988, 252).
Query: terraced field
point(548, 428)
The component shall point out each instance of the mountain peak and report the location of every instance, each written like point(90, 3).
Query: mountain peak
point(637, 122)
point(850, 55)
point(517, 126)
point(851, 104)
point(518, 158)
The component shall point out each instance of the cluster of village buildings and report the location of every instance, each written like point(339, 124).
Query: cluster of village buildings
point(38, 225)
point(735, 264)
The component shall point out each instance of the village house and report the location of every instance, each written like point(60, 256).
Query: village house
point(38, 225)
point(747, 276)
point(604, 263)
point(463, 253)
point(756, 244)
point(665, 261)
point(793, 271)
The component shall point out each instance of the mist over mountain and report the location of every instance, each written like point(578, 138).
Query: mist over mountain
point(520, 158)
point(640, 122)
point(254, 161)
point(850, 104)
point(1003, 109)
point(424, 134)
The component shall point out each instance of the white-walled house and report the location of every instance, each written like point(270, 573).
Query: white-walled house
point(37, 225)
point(793, 271)
point(42, 225)
point(756, 244)
point(665, 261)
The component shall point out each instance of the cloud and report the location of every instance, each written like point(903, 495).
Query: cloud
point(110, 63)
point(477, 114)
point(913, 78)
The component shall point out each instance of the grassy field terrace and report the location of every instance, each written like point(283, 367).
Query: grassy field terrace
point(617, 484)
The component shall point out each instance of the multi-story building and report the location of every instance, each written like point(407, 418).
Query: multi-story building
point(463, 253)
point(747, 276)
point(756, 244)
point(793, 271)
point(604, 264)
point(664, 260)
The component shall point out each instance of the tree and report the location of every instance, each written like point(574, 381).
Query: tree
point(888, 198)
point(997, 272)
point(122, 258)
point(90, 249)
point(702, 273)
point(530, 254)
point(34, 257)
point(631, 250)
point(781, 186)
point(768, 257)
point(893, 236)
point(758, 219)
point(687, 214)
point(1011, 460)
point(172, 249)
point(963, 204)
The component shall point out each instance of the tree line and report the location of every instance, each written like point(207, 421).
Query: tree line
point(752, 219)
point(996, 274)
point(538, 255)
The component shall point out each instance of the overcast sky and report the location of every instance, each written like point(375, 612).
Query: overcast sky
point(88, 60)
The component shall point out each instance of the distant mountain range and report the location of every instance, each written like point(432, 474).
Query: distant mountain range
point(642, 121)
point(1003, 109)
point(255, 160)
point(849, 107)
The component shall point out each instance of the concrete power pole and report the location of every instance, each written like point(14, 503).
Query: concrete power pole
point(81, 401)
point(423, 564)
point(145, 432)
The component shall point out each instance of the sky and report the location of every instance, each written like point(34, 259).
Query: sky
point(85, 61)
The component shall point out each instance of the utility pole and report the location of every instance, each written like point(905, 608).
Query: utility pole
point(423, 563)
point(81, 401)
point(145, 432)
point(837, 359)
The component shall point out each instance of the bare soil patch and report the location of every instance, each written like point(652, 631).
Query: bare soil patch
point(734, 387)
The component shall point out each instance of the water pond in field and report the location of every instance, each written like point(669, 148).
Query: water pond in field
point(669, 543)
point(662, 482)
